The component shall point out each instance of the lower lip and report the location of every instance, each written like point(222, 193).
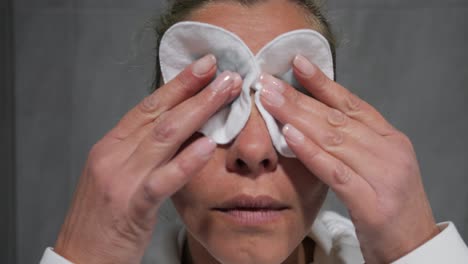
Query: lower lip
point(253, 218)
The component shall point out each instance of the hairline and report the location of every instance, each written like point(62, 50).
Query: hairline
point(165, 23)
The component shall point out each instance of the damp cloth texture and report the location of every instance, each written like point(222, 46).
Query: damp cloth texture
point(186, 42)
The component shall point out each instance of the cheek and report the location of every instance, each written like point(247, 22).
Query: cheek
point(309, 191)
point(191, 198)
point(194, 200)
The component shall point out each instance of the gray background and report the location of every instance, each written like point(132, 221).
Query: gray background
point(80, 65)
point(7, 135)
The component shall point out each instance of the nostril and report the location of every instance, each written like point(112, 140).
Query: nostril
point(240, 163)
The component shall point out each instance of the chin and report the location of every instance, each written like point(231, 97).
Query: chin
point(250, 250)
point(271, 243)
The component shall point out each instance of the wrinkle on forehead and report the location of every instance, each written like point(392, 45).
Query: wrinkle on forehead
point(257, 24)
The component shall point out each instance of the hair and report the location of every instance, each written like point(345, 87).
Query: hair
point(181, 9)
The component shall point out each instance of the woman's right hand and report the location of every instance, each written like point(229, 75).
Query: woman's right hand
point(138, 164)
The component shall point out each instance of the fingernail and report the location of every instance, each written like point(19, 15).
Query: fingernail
point(223, 81)
point(304, 66)
point(238, 85)
point(237, 79)
point(272, 96)
point(267, 80)
point(293, 135)
point(205, 148)
point(204, 65)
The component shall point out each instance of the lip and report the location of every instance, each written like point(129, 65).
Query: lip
point(252, 210)
point(247, 202)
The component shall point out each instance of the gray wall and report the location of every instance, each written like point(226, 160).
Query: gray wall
point(7, 135)
point(77, 72)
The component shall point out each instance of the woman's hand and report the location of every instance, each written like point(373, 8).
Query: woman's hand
point(371, 166)
point(138, 164)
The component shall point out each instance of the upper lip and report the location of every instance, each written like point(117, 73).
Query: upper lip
point(247, 202)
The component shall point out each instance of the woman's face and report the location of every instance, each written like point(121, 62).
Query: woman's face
point(250, 205)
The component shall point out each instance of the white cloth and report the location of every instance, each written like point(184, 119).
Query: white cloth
point(185, 42)
point(335, 239)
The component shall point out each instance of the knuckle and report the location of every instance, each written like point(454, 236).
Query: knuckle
point(336, 118)
point(164, 131)
point(353, 103)
point(405, 140)
point(101, 171)
point(95, 152)
point(149, 104)
point(333, 138)
point(99, 162)
point(151, 193)
point(402, 140)
point(341, 174)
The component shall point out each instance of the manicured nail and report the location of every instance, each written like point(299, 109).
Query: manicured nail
point(293, 135)
point(204, 65)
point(205, 148)
point(272, 96)
point(267, 80)
point(223, 81)
point(272, 89)
point(304, 66)
point(237, 79)
point(238, 87)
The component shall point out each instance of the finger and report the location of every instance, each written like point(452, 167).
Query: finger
point(300, 100)
point(190, 81)
point(175, 126)
point(353, 190)
point(356, 145)
point(338, 97)
point(292, 106)
point(161, 183)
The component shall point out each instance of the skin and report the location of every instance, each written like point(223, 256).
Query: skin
point(212, 239)
point(340, 141)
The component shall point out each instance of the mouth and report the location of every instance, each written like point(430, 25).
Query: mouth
point(249, 210)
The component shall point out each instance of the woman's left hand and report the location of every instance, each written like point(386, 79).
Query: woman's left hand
point(370, 165)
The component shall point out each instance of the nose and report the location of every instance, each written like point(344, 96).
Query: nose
point(252, 152)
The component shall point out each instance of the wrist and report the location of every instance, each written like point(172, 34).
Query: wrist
point(403, 245)
point(396, 244)
point(99, 251)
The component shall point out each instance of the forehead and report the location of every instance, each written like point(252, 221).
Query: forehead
point(257, 24)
